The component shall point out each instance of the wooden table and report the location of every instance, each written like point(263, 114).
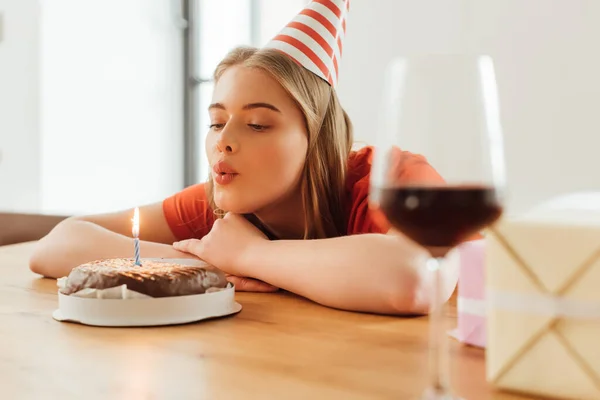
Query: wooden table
point(278, 347)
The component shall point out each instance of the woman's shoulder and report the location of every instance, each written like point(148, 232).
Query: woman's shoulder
point(189, 213)
point(359, 162)
point(408, 167)
point(357, 191)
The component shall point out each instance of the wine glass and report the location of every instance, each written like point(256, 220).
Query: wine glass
point(440, 110)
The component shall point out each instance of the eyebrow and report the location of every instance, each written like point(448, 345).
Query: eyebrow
point(250, 106)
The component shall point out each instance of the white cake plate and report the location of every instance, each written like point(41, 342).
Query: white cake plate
point(147, 311)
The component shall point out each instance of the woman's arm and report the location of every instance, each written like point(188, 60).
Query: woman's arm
point(77, 240)
point(370, 272)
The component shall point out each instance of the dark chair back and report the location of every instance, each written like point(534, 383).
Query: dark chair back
point(18, 228)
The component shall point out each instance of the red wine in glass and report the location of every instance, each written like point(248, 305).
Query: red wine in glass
point(438, 171)
point(442, 216)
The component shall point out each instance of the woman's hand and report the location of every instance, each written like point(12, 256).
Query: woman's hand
point(243, 284)
point(228, 246)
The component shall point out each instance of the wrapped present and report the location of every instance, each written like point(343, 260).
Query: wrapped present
point(470, 300)
point(543, 300)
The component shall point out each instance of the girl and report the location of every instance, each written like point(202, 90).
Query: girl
point(287, 202)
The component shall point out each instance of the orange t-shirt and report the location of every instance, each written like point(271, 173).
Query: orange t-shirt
point(189, 215)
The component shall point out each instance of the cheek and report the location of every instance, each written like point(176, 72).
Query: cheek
point(271, 167)
point(284, 161)
point(209, 144)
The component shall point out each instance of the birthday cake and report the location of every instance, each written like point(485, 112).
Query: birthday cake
point(154, 278)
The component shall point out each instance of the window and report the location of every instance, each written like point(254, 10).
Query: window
point(220, 26)
point(111, 128)
point(111, 84)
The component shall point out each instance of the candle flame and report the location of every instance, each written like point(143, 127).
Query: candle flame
point(136, 222)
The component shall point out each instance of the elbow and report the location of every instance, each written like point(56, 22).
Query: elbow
point(409, 294)
point(413, 291)
point(38, 268)
point(43, 258)
point(40, 261)
point(36, 262)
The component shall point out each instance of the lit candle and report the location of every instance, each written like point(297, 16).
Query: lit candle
point(136, 234)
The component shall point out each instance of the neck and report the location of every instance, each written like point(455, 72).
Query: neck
point(285, 218)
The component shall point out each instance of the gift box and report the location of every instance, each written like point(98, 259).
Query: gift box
point(543, 300)
point(470, 300)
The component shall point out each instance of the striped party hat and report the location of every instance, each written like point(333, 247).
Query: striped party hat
point(314, 38)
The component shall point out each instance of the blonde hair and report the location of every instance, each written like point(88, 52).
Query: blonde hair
point(330, 138)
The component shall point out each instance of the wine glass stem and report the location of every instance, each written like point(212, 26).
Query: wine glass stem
point(438, 348)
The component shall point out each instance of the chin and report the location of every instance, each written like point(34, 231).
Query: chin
point(231, 202)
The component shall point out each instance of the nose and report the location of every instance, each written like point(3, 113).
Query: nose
point(226, 142)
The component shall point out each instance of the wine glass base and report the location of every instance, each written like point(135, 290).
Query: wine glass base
point(436, 394)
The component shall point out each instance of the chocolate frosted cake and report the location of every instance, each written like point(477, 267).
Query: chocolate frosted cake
point(152, 278)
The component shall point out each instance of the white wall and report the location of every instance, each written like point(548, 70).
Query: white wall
point(19, 106)
point(112, 104)
point(109, 89)
point(547, 62)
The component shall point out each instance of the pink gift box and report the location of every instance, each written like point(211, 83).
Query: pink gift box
point(470, 301)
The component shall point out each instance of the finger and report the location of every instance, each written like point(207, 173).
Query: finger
point(192, 246)
point(232, 216)
point(251, 285)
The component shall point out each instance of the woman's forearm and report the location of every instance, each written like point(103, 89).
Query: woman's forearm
point(74, 242)
point(371, 273)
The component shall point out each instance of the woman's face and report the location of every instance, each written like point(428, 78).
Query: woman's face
point(257, 141)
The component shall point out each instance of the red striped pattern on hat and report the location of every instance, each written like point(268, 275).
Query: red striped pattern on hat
point(314, 38)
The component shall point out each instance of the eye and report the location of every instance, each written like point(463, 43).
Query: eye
point(216, 127)
point(258, 128)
